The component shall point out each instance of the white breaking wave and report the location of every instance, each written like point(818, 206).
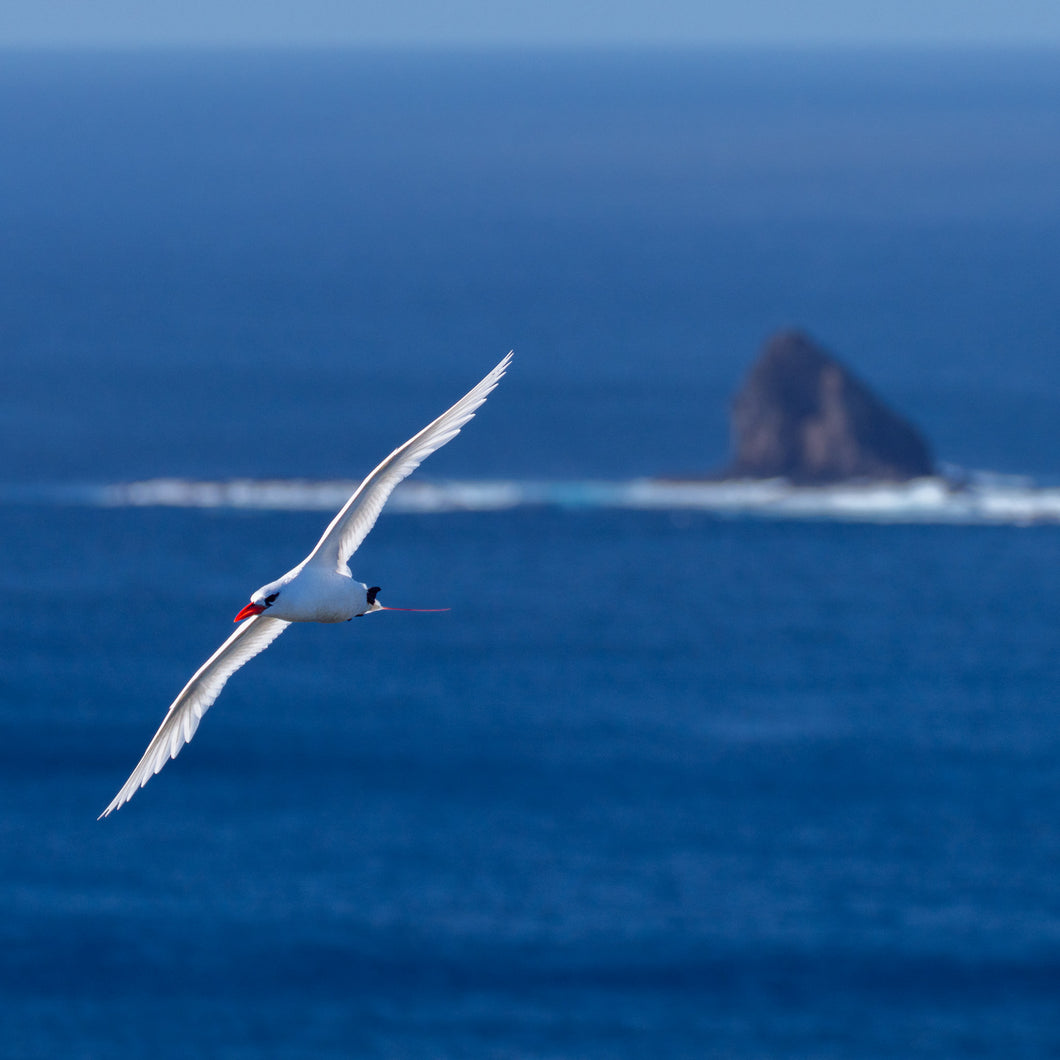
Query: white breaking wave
point(976, 500)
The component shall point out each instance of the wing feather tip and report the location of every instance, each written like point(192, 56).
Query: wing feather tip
point(116, 804)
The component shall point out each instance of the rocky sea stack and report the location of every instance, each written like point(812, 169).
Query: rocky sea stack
point(804, 416)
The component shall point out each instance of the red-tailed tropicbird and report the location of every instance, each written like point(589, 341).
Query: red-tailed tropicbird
point(320, 589)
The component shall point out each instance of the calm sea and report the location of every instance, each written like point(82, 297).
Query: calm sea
point(662, 783)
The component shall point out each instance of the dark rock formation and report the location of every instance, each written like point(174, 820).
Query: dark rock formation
point(802, 415)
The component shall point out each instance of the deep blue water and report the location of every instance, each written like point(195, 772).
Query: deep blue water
point(660, 784)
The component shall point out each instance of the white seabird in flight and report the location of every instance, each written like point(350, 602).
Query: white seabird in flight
point(320, 589)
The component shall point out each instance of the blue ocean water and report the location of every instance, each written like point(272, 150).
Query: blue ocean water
point(662, 783)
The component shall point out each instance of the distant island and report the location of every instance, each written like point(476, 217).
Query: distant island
point(804, 416)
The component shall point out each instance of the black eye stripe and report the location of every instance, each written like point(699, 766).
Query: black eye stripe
point(271, 598)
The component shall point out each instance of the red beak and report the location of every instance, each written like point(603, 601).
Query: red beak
point(250, 609)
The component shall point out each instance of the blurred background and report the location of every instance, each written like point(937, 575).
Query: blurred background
point(664, 782)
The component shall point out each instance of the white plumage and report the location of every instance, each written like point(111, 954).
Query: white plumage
point(320, 589)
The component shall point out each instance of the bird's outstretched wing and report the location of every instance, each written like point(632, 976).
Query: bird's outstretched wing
point(199, 693)
point(358, 515)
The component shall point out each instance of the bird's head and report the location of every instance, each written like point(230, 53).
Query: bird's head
point(261, 601)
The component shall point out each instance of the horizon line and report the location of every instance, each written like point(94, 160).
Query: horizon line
point(500, 47)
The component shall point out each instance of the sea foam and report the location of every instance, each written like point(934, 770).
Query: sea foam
point(970, 499)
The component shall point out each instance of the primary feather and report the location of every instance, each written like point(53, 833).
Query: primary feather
point(183, 717)
point(358, 515)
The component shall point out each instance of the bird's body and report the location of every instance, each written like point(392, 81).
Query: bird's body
point(320, 589)
point(314, 593)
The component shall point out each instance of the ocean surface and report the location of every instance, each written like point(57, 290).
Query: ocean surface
point(689, 770)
